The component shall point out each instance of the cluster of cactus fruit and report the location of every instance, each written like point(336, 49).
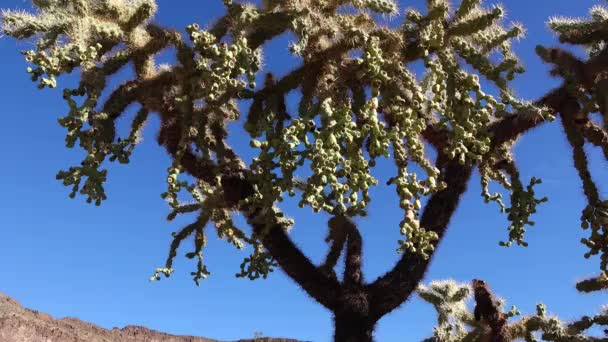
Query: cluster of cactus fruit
point(353, 109)
point(340, 130)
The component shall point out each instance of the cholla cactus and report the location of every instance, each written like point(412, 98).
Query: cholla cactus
point(457, 323)
point(340, 130)
point(360, 101)
point(585, 91)
point(449, 300)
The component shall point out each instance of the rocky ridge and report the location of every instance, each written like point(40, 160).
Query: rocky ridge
point(19, 324)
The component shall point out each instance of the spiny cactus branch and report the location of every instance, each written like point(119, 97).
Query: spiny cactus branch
point(596, 135)
point(593, 284)
point(513, 125)
point(569, 112)
point(393, 288)
point(353, 272)
point(337, 238)
point(488, 309)
point(323, 288)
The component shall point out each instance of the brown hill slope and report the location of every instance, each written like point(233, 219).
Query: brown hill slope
point(18, 324)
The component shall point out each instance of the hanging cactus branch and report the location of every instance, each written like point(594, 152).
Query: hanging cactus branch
point(584, 93)
point(596, 135)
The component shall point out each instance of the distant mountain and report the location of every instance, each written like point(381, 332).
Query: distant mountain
point(18, 324)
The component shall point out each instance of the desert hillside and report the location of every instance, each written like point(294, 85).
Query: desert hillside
point(18, 324)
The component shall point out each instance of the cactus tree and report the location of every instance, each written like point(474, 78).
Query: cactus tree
point(358, 100)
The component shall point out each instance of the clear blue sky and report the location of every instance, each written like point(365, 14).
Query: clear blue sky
point(67, 258)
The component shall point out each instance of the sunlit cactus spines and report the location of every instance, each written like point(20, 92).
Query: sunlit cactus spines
point(431, 93)
point(449, 300)
point(588, 32)
point(586, 93)
point(461, 318)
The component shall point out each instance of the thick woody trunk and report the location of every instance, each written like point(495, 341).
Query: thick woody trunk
point(353, 329)
point(352, 317)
